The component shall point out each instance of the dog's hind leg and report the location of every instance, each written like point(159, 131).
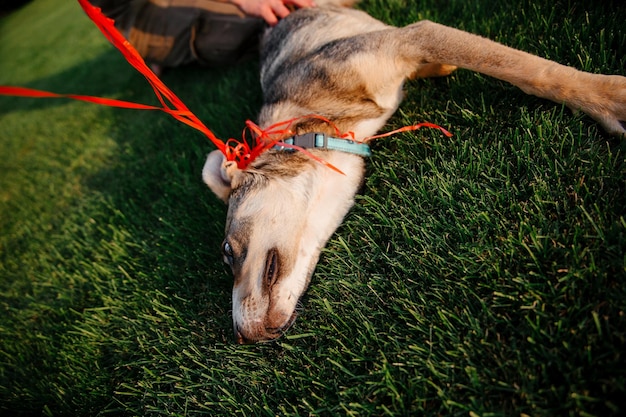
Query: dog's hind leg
point(421, 45)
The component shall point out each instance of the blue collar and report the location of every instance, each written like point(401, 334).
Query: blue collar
point(321, 141)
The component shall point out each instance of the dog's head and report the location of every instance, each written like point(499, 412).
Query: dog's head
point(281, 211)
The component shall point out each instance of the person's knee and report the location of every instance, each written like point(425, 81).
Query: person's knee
point(226, 39)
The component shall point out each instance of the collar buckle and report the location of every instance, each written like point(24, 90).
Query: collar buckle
point(311, 140)
point(314, 140)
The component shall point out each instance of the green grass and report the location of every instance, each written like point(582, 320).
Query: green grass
point(480, 275)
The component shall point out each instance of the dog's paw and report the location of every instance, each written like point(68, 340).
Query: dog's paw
point(604, 99)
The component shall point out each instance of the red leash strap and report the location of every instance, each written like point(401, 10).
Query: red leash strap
point(29, 92)
point(170, 103)
point(410, 128)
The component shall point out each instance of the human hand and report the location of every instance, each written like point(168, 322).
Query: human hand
point(270, 10)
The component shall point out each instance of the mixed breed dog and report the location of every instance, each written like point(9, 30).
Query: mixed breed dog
point(349, 67)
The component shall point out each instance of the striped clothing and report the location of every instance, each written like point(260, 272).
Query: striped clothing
point(177, 32)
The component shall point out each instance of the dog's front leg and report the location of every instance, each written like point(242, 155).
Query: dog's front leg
point(603, 97)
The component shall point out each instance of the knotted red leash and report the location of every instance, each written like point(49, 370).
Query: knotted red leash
point(239, 151)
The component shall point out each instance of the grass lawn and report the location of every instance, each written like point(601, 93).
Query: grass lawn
point(479, 275)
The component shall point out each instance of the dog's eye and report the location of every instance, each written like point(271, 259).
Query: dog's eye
point(227, 250)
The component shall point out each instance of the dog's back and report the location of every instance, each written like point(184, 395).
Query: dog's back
point(309, 65)
point(304, 32)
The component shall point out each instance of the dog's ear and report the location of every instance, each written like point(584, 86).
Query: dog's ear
point(218, 174)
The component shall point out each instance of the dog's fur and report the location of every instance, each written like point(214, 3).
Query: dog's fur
point(349, 67)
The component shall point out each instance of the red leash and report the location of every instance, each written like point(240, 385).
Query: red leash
point(176, 107)
point(239, 151)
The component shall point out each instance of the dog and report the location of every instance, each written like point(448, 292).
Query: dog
point(350, 68)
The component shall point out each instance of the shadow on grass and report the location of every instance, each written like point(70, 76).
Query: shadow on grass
point(154, 185)
point(133, 258)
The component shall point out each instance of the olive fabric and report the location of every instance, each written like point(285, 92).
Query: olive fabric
point(177, 32)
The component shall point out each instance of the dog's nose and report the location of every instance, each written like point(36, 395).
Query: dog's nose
point(240, 338)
